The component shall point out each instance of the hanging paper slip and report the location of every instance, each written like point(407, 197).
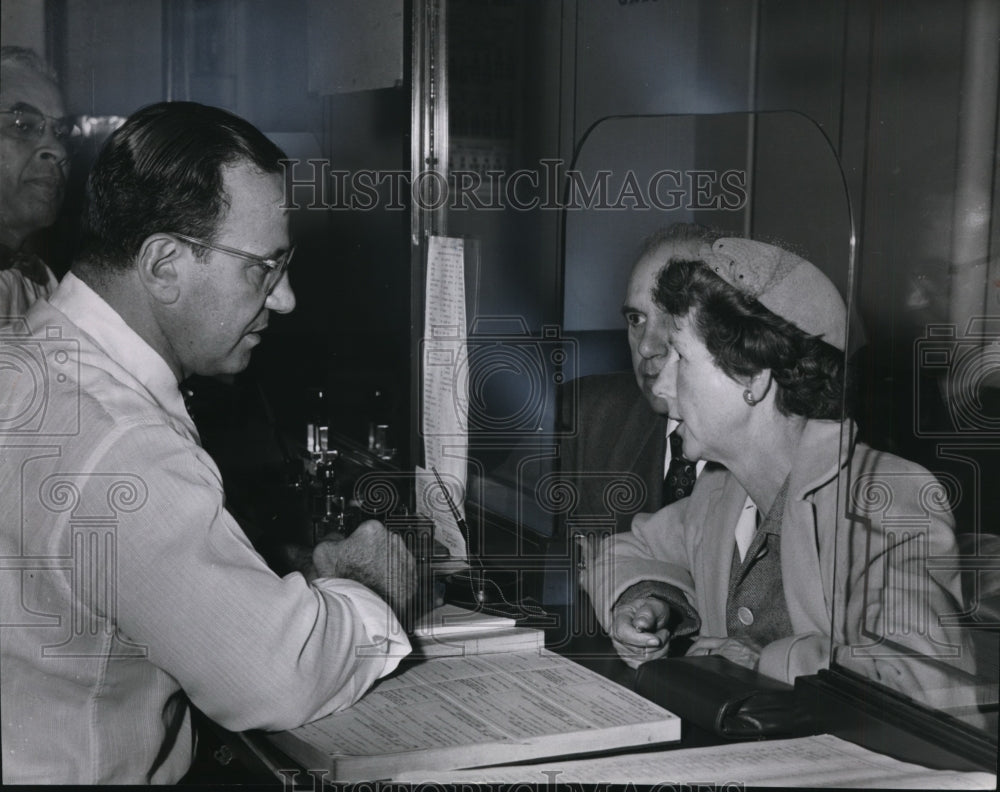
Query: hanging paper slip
point(444, 419)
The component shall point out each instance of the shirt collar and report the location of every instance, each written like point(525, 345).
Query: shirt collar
point(88, 311)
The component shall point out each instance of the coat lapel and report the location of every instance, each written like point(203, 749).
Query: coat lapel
point(824, 450)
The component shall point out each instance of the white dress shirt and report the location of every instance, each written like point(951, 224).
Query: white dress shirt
point(126, 588)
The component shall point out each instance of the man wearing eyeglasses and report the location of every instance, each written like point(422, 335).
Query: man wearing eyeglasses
point(33, 169)
point(127, 590)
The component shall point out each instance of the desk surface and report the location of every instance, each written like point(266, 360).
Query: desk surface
point(252, 757)
point(254, 760)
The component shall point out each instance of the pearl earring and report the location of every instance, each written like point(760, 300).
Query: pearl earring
point(748, 397)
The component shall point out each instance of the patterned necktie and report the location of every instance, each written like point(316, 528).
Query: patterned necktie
point(681, 473)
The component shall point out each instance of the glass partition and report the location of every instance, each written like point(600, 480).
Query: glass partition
point(932, 628)
point(903, 567)
point(930, 605)
point(770, 176)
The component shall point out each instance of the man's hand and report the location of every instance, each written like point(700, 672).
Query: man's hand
point(639, 629)
point(373, 556)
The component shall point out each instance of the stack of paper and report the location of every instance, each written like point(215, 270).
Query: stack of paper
point(821, 761)
point(451, 620)
point(449, 630)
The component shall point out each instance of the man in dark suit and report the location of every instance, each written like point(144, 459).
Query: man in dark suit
point(614, 452)
point(615, 458)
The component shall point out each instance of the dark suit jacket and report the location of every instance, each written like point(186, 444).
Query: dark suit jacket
point(611, 452)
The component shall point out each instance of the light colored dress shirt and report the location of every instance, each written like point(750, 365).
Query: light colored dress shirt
point(126, 588)
point(746, 527)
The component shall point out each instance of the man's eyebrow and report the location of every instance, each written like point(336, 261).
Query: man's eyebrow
point(627, 309)
point(25, 106)
point(279, 251)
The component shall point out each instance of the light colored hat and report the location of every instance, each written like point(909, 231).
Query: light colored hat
point(784, 283)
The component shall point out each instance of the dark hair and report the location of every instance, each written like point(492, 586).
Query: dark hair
point(744, 338)
point(162, 171)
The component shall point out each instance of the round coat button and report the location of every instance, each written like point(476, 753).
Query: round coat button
point(745, 615)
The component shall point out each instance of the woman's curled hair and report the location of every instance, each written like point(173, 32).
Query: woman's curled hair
point(744, 338)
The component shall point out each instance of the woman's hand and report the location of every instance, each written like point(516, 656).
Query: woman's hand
point(742, 651)
point(639, 630)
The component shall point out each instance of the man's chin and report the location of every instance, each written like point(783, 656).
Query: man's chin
point(34, 216)
point(658, 405)
point(231, 366)
point(41, 204)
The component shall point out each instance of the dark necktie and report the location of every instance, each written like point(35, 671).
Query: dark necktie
point(681, 473)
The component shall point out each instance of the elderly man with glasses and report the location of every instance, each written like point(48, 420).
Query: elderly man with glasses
point(33, 169)
point(128, 590)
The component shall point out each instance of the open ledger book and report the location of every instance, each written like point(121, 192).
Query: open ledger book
point(457, 712)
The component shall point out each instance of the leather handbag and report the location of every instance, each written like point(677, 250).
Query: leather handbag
point(724, 698)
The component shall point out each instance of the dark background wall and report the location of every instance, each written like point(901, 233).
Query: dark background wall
point(881, 79)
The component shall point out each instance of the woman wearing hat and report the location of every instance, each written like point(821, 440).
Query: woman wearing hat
point(801, 541)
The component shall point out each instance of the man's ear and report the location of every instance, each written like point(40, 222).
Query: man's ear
point(160, 267)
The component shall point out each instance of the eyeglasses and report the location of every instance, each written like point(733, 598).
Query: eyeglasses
point(274, 269)
point(29, 124)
